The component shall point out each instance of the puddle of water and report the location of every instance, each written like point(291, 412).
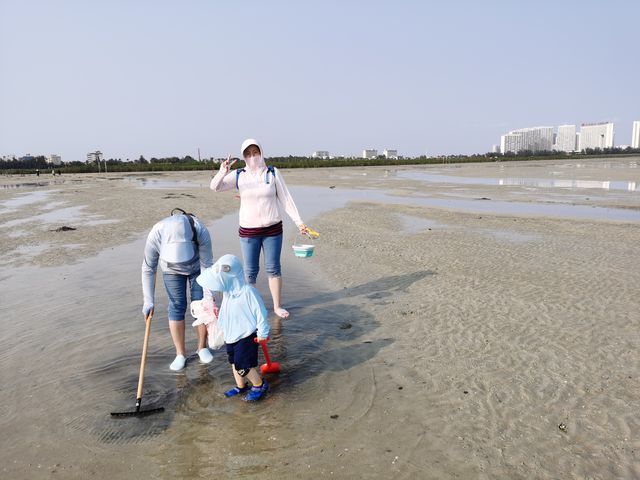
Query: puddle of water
point(312, 201)
point(60, 215)
point(522, 182)
point(39, 183)
point(68, 214)
point(93, 223)
point(26, 199)
point(153, 183)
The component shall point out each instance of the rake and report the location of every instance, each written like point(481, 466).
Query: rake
point(138, 412)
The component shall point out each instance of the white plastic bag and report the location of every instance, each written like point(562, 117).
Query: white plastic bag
point(206, 313)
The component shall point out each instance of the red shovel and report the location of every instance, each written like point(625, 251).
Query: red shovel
point(269, 367)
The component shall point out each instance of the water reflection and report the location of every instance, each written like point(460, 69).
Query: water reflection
point(152, 183)
point(524, 182)
point(47, 183)
point(558, 183)
point(312, 201)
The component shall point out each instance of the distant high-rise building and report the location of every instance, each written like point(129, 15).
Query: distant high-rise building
point(535, 139)
point(94, 157)
point(369, 153)
point(511, 142)
point(596, 135)
point(495, 148)
point(566, 138)
point(320, 154)
point(391, 154)
point(54, 159)
point(635, 135)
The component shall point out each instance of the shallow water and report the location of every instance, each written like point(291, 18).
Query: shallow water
point(523, 182)
point(339, 197)
point(84, 340)
point(39, 183)
point(153, 183)
point(23, 199)
point(52, 214)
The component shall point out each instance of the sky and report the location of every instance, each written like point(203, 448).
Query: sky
point(162, 78)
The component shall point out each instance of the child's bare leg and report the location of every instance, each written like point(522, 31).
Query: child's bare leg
point(254, 377)
point(240, 382)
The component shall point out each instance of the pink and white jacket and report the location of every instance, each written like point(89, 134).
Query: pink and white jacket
point(260, 193)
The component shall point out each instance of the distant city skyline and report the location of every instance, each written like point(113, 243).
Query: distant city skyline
point(426, 78)
point(593, 135)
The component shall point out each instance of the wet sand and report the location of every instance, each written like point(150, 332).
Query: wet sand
point(429, 338)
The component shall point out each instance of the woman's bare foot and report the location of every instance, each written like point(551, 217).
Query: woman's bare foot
point(281, 312)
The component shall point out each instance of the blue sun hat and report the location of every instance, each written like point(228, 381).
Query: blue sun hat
point(226, 275)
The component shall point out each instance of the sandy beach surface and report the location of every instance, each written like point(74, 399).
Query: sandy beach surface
point(456, 321)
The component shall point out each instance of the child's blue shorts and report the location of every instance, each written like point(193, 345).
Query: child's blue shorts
point(244, 353)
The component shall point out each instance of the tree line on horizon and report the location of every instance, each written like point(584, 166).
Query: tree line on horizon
point(33, 164)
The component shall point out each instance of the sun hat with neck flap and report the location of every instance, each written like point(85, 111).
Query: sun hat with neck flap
point(250, 163)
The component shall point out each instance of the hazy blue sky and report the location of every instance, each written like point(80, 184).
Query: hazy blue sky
point(162, 78)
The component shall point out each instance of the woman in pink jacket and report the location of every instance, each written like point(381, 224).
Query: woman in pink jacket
point(261, 189)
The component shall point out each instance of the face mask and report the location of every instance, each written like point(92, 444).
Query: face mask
point(254, 161)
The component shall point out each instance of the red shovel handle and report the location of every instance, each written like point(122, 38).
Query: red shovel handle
point(263, 344)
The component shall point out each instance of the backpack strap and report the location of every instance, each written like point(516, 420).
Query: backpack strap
point(190, 217)
point(270, 170)
point(238, 172)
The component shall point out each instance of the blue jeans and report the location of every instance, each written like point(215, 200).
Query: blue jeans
point(176, 286)
point(251, 247)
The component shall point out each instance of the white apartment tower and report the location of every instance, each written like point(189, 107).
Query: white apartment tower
point(94, 157)
point(324, 154)
point(635, 135)
point(54, 159)
point(369, 153)
point(536, 139)
point(393, 154)
point(596, 135)
point(566, 138)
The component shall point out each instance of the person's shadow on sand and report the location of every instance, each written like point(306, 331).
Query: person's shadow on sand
point(375, 289)
point(308, 346)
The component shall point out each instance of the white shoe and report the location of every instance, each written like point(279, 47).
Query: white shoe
point(178, 363)
point(205, 355)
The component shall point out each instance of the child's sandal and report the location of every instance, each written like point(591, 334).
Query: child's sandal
point(236, 391)
point(256, 393)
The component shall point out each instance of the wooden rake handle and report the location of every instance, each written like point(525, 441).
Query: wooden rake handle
point(143, 361)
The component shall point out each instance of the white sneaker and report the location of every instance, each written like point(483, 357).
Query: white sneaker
point(205, 355)
point(178, 363)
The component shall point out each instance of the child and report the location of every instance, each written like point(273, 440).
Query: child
point(243, 318)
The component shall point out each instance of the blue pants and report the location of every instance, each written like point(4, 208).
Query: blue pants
point(251, 247)
point(176, 286)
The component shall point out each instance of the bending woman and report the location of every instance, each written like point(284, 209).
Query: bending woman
point(261, 189)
